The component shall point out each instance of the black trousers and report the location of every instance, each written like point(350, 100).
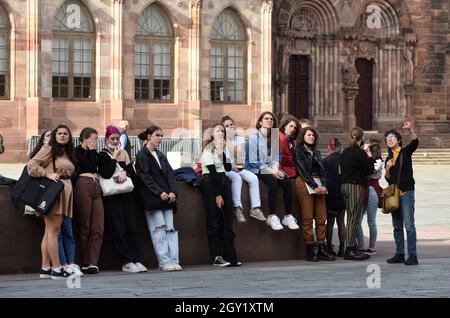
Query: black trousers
point(272, 186)
point(120, 219)
point(219, 222)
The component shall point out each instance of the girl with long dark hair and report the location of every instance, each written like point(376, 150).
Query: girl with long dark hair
point(158, 195)
point(217, 199)
point(56, 162)
point(262, 158)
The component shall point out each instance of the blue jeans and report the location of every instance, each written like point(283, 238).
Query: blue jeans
point(163, 235)
point(405, 215)
point(371, 209)
point(66, 243)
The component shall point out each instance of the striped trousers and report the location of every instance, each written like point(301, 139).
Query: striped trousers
point(353, 197)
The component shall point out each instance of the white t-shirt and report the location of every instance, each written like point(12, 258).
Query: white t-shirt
point(154, 154)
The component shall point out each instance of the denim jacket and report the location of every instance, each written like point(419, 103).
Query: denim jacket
point(257, 156)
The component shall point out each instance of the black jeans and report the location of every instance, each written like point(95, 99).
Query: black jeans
point(120, 221)
point(271, 183)
point(219, 222)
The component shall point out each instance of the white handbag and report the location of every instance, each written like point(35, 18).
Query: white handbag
point(111, 187)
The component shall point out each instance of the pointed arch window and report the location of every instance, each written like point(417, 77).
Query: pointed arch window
point(5, 30)
point(227, 59)
point(153, 56)
point(73, 53)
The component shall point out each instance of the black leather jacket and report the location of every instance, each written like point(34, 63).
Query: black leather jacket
point(304, 162)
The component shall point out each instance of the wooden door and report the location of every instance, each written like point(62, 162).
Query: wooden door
point(298, 86)
point(363, 102)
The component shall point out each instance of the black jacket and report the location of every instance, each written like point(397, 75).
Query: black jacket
point(356, 166)
point(334, 197)
point(304, 162)
point(107, 166)
point(406, 177)
point(154, 180)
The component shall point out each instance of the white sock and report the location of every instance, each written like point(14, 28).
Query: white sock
point(57, 269)
point(45, 268)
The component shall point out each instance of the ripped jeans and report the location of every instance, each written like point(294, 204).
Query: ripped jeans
point(163, 235)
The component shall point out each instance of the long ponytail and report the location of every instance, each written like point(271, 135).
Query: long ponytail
point(356, 136)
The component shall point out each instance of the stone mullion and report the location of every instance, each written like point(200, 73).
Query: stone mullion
point(317, 81)
point(376, 83)
point(32, 71)
point(266, 53)
point(325, 105)
point(194, 51)
point(389, 82)
point(312, 84)
point(116, 49)
point(335, 79)
point(381, 85)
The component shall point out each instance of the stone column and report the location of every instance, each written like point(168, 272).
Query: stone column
point(194, 111)
point(33, 49)
point(408, 85)
point(117, 107)
point(350, 87)
point(266, 55)
point(349, 117)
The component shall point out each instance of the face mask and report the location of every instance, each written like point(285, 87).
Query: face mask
point(46, 142)
point(111, 146)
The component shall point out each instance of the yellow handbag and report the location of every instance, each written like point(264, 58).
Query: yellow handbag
point(391, 194)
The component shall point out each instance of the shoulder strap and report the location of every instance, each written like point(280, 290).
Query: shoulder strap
point(54, 165)
point(257, 146)
point(400, 168)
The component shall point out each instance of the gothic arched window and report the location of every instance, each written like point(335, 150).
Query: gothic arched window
point(153, 56)
point(4, 54)
point(228, 41)
point(73, 53)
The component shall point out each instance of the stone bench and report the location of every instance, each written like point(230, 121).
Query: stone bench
point(20, 236)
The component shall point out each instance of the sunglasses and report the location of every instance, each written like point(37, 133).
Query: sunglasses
point(390, 138)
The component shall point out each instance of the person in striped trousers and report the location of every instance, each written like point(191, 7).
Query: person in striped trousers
point(356, 165)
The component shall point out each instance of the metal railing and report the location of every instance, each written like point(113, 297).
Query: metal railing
point(189, 147)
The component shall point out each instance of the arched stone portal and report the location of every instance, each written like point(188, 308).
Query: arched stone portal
point(331, 38)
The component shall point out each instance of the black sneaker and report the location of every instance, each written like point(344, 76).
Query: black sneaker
point(219, 261)
point(45, 273)
point(62, 274)
point(396, 259)
point(412, 260)
point(90, 269)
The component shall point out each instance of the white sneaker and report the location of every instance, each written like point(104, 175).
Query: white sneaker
point(177, 267)
point(141, 267)
point(69, 270)
point(130, 268)
point(274, 222)
point(168, 267)
point(73, 269)
point(238, 213)
point(257, 214)
point(290, 222)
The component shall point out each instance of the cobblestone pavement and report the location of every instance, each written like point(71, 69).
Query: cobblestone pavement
point(286, 278)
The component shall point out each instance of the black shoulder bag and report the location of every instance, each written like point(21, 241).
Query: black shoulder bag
point(39, 193)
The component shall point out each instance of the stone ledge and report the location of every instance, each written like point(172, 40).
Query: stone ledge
point(20, 236)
